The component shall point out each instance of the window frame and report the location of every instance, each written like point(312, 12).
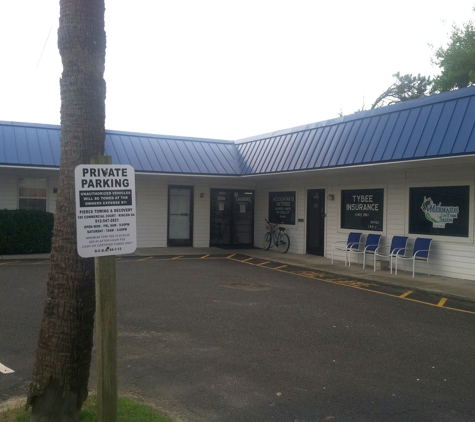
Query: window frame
point(447, 239)
point(32, 184)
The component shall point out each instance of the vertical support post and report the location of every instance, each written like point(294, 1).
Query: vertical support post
point(106, 330)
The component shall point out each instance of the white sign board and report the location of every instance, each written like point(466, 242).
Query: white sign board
point(105, 210)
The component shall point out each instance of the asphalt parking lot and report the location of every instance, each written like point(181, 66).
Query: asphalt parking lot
point(219, 338)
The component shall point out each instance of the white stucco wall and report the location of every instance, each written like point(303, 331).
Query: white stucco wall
point(450, 256)
point(152, 206)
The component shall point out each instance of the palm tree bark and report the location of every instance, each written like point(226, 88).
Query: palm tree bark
point(63, 356)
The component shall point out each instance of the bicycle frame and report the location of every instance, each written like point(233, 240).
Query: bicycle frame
point(276, 238)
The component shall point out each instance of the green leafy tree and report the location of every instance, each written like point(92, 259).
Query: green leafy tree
point(63, 355)
point(406, 87)
point(456, 60)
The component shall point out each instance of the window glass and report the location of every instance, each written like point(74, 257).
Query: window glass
point(32, 194)
point(362, 209)
point(439, 210)
point(282, 207)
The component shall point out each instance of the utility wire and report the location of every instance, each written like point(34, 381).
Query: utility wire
point(44, 46)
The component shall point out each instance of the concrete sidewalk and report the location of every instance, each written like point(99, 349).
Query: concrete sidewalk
point(445, 286)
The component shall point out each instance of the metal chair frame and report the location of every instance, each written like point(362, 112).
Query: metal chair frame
point(420, 252)
point(398, 243)
point(368, 247)
point(354, 238)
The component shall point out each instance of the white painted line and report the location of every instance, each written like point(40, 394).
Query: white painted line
point(5, 370)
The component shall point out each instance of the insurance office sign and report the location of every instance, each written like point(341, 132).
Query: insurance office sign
point(105, 210)
point(362, 209)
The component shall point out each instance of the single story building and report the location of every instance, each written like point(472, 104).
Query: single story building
point(406, 169)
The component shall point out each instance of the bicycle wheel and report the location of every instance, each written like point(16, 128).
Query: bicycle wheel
point(267, 241)
point(283, 242)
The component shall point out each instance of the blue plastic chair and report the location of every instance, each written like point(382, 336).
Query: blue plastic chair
point(367, 247)
point(353, 242)
point(420, 252)
point(398, 243)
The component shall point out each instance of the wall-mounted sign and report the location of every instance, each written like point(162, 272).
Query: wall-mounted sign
point(439, 210)
point(362, 209)
point(282, 207)
point(105, 210)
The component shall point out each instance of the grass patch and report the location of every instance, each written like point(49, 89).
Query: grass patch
point(128, 410)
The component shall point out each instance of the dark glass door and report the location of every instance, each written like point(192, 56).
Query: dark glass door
point(316, 221)
point(180, 216)
point(232, 218)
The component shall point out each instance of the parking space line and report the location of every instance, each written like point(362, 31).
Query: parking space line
point(321, 276)
point(442, 301)
point(262, 263)
point(356, 284)
point(5, 370)
point(9, 262)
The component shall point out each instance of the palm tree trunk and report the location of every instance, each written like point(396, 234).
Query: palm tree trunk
point(63, 355)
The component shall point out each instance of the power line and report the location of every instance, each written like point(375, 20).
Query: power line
point(44, 46)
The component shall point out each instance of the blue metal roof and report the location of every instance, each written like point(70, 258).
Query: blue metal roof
point(36, 145)
point(172, 154)
point(432, 127)
point(31, 145)
point(439, 126)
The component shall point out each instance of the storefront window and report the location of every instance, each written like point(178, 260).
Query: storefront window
point(232, 217)
point(439, 210)
point(362, 209)
point(282, 207)
point(32, 194)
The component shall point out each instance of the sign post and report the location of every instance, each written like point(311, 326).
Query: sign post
point(105, 219)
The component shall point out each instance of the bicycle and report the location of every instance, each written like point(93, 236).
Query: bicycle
point(272, 238)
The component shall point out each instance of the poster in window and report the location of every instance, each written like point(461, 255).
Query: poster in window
point(282, 207)
point(439, 210)
point(362, 209)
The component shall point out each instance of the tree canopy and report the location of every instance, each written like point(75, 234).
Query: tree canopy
point(456, 60)
point(406, 87)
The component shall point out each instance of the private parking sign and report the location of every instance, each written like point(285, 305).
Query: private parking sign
point(105, 210)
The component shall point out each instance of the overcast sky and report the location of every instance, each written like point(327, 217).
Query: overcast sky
point(226, 69)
